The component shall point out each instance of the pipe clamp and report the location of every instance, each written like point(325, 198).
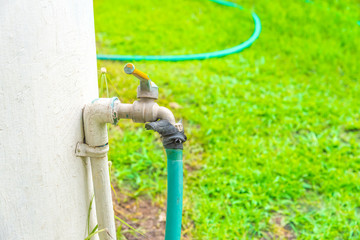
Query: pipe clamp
point(84, 150)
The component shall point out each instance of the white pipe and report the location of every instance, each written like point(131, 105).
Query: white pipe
point(103, 198)
point(96, 115)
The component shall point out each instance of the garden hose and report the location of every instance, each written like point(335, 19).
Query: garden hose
point(199, 56)
point(172, 140)
point(174, 193)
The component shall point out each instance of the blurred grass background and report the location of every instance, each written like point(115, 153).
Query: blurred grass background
point(273, 131)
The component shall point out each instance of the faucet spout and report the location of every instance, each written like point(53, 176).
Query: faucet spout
point(165, 114)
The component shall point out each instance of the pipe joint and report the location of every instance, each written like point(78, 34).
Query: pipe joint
point(96, 115)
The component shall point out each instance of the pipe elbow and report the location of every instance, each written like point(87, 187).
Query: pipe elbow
point(165, 114)
point(95, 116)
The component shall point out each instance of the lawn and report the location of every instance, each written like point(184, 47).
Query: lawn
point(274, 131)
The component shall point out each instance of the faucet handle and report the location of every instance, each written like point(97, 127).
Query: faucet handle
point(129, 68)
point(147, 88)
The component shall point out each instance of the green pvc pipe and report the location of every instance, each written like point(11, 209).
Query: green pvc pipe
point(174, 194)
point(200, 56)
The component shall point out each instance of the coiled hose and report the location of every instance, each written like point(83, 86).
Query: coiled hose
point(199, 56)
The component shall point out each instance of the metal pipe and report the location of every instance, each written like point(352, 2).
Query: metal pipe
point(144, 110)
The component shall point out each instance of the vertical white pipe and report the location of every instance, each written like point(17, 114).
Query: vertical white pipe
point(104, 207)
point(48, 72)
point(96, 115)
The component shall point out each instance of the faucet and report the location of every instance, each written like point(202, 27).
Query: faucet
point(144, 110)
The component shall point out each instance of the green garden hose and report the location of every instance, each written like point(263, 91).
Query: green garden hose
point(175, 194)
point(199, 56)
point(173, 140)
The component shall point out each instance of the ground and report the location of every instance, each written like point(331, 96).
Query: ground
point(274, 131)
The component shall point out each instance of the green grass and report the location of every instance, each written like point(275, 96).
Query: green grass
point(273, 131)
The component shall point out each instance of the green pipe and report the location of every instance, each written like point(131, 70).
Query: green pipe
point(174, 194)
point(199, 56)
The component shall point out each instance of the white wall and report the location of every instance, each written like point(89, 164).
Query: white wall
point(47, 74)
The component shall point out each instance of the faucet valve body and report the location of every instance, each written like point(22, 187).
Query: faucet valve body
point(145, 110)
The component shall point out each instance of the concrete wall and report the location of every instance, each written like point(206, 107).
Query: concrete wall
point(47, 74)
